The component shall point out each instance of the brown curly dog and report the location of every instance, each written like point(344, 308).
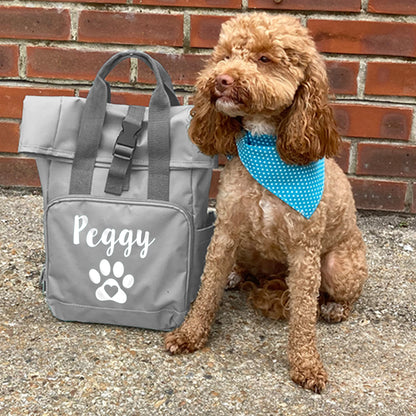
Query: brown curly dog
point(265, 76)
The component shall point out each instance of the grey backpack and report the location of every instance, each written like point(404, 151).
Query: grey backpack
point(125, 191)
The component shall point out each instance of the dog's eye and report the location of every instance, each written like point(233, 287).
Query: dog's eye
point(226, 57)
point(264, 59)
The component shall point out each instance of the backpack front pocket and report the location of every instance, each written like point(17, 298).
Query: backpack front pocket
point(118, 262)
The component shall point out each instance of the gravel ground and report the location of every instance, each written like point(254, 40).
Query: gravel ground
point(48, 367)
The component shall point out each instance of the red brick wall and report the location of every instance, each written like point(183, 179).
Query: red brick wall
point(56, 47)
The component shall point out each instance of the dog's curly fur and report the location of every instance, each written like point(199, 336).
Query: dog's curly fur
point(266, 76)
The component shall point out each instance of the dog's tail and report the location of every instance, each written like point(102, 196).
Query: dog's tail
point(270, 296)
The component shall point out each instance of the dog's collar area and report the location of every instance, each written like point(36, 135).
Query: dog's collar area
point(260, 139)
point(299, 186)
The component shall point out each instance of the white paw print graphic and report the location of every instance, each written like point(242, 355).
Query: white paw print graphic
point(111, 289)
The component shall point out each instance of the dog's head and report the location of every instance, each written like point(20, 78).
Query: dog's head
point(265, 69)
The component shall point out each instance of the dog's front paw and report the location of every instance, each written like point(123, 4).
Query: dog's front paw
point(183, 342)
point(312, 378)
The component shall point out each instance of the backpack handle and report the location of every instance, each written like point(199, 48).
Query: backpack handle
point(92, 121)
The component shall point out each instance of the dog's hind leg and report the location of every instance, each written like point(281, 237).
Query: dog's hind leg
point(193, 333)
point(344, 271)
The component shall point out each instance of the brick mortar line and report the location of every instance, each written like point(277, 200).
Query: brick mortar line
point(104, 47)
point(134, 70)
point(354, 57)
point(305, 15)
point(10, 120)
point(408, 199)
point(22, 60)
point(396, 179)
point(54, 6)
point(118, 8)
point(186, 32)
point(23, 83)
point(363, 17)
point(364, 6)
point(412, 138)
point(74, 16)
point(134, 87)
point(361, 78)
point(388, 99)
point(386, 141)
point(302, 19)
point(99, 47)
point(369, 103)
point(8, 155)
point(35, 82)
point(352, 165)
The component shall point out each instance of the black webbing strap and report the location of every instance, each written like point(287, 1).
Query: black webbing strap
point(89, 137)
point(119, 173)
point(92, 124)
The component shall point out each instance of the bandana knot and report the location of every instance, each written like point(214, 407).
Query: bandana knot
point(299, 186)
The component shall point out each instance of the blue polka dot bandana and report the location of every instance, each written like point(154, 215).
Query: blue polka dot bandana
point(299, 186)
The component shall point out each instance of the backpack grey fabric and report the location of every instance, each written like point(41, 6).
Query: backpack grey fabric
point(125, 191)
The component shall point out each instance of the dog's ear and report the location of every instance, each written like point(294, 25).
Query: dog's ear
point(213, 132)
point(307, 131)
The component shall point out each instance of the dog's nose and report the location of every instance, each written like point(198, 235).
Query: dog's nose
point(223, 82)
